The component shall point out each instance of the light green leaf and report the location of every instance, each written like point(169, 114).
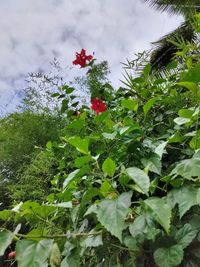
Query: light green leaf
point(81, 161)
point(186, 113)
point(5, 214)
point(31, 253)
point(92, 241)
point(195, 142)
point(36, 234)
point(181, 121)
point(169, 257)
point(161, 211)
point(149, 105)
point(112, 213)
point(49, 145)
point(160, 149)
point(140, 178)
point(131, 104)
point(109, 167)
point(6, 238)
point(185, 235)
point(110, 136)
point(80, 144)
point(175, 138)
point(55, 256)
point(124, 130)
point(189, 85)
point(69, 178)
point(67, 204)
point(188, 168)
point(106, 188)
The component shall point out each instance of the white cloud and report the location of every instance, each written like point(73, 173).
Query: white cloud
point(34, 31)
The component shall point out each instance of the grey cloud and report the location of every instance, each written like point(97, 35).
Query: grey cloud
point(35, 31)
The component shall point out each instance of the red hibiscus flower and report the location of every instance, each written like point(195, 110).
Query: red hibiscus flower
point(12, 255)
point(81, 58)
point(98, 105)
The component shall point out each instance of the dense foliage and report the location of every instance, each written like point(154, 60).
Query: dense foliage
point(122, 183)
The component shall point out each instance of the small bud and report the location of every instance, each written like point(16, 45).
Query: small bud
point(12, 255)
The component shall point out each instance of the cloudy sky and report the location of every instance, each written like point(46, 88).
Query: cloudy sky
point(33, 32)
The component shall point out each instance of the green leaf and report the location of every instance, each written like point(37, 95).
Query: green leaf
point(36, 234)
point(110, 136)
point(189, 85)
point(55, 256)
point(188, 168)
point(192, 75)
point(147, 70)
point(149, 105)
point(161, 211)
point(143, 227)
point(109, 167)
point(70, 177)
point(175, 138)
point(185, 235)
point(49, 145)
point(81, 161)
point(185, 197)
point(160, 149)
point(169, 257)
point(92, 241)
point(140, 178)
point(67, 204)
point(64, 107)
point(195, 142)
point(5, 214)
point(153, 164)
point(6, 238)
point(80, 144)
point(106, 188)
point(131, 104)
point(112, 213)
point(185, 113)
point(67, 89)
point(31, 253)
point(181, 121)
point(77, 124)
point(71, 260)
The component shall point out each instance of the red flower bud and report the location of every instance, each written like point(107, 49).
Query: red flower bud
point(12, 255)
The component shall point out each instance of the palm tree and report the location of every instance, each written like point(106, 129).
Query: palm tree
point(164, 50)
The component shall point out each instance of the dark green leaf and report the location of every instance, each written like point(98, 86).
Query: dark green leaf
point(185, 235)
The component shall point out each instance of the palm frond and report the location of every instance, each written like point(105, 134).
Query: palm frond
point(165, 48)
point(184, 7)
